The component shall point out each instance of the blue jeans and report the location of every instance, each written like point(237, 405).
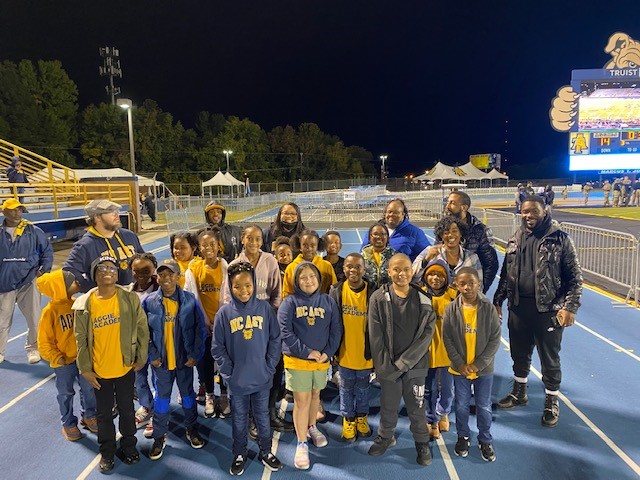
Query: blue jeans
point(438, 393)
point(145, 397)
point(482, 394)
point(354, 392)
point(259, 404)
point(66, 377)
point(164, 378)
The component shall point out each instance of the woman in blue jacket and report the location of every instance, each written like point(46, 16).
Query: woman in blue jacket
point(404, 237)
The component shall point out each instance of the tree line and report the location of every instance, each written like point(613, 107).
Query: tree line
point(39, 111)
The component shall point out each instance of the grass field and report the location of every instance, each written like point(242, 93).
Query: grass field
point(627, 213)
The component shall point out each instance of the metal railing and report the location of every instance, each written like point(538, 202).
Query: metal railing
point(37, 167)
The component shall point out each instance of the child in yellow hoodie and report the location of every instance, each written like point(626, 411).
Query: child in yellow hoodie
point(57, 345)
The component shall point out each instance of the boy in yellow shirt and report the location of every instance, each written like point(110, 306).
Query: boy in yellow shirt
point(354, 355)
point(57, 345)
point(112, 335)
point(471, 334)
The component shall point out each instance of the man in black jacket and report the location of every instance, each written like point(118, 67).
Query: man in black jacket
point(479, 240)
point(542, 280)
point(215, 214)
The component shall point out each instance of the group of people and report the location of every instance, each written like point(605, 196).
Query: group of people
point(546, 193)
point(624, 192)
point(258, 306)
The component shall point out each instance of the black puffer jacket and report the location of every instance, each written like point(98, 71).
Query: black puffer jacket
point(479, 240)
point(558, 276)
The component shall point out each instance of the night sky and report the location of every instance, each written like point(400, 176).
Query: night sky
point(417, 80)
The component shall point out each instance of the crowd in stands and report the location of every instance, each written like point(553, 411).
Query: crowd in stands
point(259, 314)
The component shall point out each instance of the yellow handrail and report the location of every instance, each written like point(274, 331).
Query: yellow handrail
point(37, 167)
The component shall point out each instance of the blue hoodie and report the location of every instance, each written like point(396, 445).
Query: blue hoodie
point(246, 344)
point(303, 332)
point(189, 334)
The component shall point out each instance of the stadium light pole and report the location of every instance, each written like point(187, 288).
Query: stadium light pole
point(383, 170)
point(227, 153)
point(127, 104)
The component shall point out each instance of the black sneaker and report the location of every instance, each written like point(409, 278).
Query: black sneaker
point(157, 448)
point(194, 438)
point(237, 467)
point(106, 464)
point(380, 445)
point(486, 450)
point(551, 413)
point(424, 454)
point(131, 456)
point(280, 424)
point(462, 447)
point(271, 462)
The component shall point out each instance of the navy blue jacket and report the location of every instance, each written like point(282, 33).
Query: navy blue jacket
point(90, 247)
point(190, 333)
point(246, 344)
point(407, 239)
point(22, 258)
point(300, 336)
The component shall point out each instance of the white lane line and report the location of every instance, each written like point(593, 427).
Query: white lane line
point(94, 463)
point(26, 392)
point(17, 337)
point(266, 473)
point(446, 458)
point(594, 428)
point(613, 344)
point(159, 249)
point(359, 236)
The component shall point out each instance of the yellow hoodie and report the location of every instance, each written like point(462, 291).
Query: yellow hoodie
point(56, 341)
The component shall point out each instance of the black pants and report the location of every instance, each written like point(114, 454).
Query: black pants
point(123, 389)
point(412, 391)
point(207, 369)
point(277, 390)
point(529, 328)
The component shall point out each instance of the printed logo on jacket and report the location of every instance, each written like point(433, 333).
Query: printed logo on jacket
point(246, 325)
point(310, 312)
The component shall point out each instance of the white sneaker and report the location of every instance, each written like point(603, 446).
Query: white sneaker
point(33, 356)
point(1, 358)
point(301, 459)
point(209, 406)
point(143, 416)
point(316, 437)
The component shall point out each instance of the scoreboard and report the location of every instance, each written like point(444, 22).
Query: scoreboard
point(606, 135)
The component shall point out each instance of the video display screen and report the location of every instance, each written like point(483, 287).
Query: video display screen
point(607, 106)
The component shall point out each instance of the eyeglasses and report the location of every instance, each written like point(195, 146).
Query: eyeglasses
point(107, 268)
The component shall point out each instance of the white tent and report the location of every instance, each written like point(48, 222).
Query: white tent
point(471, 172)
point(440, 171)
point(496, 175)
point(218, 180)
point(234, 181)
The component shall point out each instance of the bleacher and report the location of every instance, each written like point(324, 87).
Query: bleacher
point(55, 196)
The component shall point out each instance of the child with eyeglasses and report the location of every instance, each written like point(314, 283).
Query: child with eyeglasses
point(104, 316)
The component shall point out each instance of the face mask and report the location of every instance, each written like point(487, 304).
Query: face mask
point(289, 225)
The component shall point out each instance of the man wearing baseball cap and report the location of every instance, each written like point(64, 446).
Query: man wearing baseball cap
point(105, 236)
point(25, 253)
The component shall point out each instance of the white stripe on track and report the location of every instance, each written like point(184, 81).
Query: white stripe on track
point(359, 236)
point(606, 340)
point(26, 392)
point(446, 458)
point(17, 337)
point(266, 473)
point(594, 428)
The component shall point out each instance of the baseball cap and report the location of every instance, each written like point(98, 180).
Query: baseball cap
point(13, 203)
point(98, 207)
point(170, 264)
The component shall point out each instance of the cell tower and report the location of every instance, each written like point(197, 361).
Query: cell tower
point(111, 69)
